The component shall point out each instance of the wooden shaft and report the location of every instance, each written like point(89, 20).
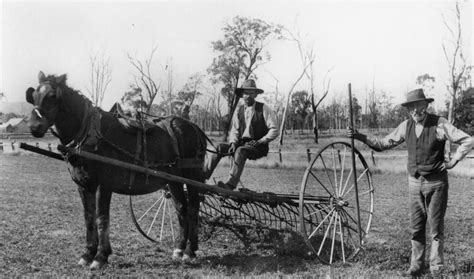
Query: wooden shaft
point(354, 165)
point(41, 151)
point(254, 196)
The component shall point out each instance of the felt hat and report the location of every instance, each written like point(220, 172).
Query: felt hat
point(415, 96)
point(248, 85)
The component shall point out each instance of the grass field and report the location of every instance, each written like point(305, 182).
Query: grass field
point(43, 234)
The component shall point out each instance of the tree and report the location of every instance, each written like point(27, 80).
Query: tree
point(240, 53)
point(457, 62)
point(145, 78)
point(300, 104)
point(100, 78)
point(426, 82)
point(188, 94)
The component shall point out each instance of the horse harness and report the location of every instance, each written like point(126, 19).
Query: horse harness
point(89, 137)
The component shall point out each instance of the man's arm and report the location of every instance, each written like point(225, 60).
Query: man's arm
point(272, 125)
point(393, 139)
point(455, 135)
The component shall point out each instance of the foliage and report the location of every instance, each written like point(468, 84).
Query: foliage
point(240, 52)
point(464, 111)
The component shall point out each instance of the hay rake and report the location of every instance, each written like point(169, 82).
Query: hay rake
point(325, 211)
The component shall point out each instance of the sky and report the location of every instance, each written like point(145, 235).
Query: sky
point(385, 44)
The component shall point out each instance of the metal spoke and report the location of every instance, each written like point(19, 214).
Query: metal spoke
point(342, 169)
point(358, 179)
point(320, 224)
point(327, 174)
point(154, 218)
point(148, 210)
point(333, 236)
point(326, 234)
point(312, 174)
point(349, 176)
point(314, 212)
point(342, 240)
point(163, 220)
point(334, 169)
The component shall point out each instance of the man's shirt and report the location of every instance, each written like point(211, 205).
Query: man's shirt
point(444, 131)
point(270, 120)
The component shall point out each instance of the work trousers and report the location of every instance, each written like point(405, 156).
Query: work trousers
point(242, 153)
point(428, 197)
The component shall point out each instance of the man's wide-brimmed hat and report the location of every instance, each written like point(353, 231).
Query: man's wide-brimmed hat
point(415, 96)
point(248, 85)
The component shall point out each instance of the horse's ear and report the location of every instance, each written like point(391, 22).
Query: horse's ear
point(41, 77)
point(29, 95)
point(61, 79)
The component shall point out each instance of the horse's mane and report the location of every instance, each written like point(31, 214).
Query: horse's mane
point(69, 91)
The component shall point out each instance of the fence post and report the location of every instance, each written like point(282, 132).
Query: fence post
point(372, 156)
point(13, 146)
point(309, 155)
point(37, 145)
point(49, 146)
point(279, 155)
point(1, 146)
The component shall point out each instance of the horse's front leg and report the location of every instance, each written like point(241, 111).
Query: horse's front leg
point(103, 217)
point(181, 207)
point(92, 239)
point(193, 213)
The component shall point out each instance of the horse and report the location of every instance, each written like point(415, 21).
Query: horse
point(78, 124)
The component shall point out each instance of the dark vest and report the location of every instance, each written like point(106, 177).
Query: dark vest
point(425, 153)
point(258, 128)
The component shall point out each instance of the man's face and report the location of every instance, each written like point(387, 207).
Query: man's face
point(249, 97)
point(417, 110)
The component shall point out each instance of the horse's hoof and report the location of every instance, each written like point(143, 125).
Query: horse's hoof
point(83, 262)
point(177, 254)
point(97, 265)
point(189, 257)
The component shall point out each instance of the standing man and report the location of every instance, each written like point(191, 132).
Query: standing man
point(425, 135)
point(253, 126)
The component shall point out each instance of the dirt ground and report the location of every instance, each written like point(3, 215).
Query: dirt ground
point(42, 231)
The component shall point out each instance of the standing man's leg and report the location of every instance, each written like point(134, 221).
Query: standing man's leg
point(418, 216)
point(437, 202)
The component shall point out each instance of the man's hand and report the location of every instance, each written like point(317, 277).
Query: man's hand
point(232, 148)
point(450, 164)
point(254, 143)
point(353, 133)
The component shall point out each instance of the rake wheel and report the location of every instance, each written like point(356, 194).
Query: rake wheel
point(328, 210)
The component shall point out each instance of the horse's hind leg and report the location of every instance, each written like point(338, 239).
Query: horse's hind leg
point(103, 219)
point(92, 239)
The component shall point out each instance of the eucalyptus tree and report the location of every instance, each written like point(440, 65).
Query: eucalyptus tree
point(240, 52)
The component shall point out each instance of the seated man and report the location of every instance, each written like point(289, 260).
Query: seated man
point(253, 126)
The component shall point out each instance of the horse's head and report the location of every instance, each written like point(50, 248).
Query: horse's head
point(46, 99)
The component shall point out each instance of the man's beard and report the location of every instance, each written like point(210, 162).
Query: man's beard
point(418, 117)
